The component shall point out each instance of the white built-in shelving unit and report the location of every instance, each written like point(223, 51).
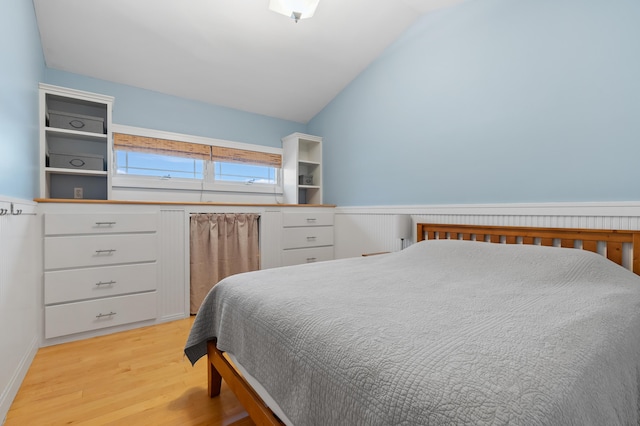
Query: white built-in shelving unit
point(75, 144)
point(302, 169)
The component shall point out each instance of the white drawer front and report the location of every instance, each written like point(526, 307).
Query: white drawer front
point(307, 219)
point(98, 223)
point(82, 251)
point(92, 283)
point(310, 236)
point(306, 255)
point(94, 314)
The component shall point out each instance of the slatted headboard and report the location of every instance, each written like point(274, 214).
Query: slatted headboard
point(610, 242)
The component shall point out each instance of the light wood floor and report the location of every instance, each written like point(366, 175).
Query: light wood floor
point(137, 377)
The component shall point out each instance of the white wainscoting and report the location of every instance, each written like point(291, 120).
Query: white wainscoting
point(20, 296)
point(360, 230)
point(173, 300)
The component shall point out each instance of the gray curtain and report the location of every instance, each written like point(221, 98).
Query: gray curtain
point(221, 245)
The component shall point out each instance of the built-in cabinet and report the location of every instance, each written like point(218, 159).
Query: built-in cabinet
point(100, 270)
point(75, 144)
point(307, 237)
point(112, 266)
point(302, 169)
point(76, 150)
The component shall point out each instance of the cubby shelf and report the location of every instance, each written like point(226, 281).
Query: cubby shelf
point(87, 154)
point(62, 171)
point(302, 158)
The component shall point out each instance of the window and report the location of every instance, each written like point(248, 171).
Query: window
point(246, 173)
point(239, 165)
point(208, 166)
point(166, 166)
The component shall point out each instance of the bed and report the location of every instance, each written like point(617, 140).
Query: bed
point(452, 330)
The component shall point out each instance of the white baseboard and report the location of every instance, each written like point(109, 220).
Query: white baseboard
point(174, 317)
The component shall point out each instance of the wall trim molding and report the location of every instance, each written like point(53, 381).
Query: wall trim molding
point(21, 201)
point(172, 317)
point(611, 209)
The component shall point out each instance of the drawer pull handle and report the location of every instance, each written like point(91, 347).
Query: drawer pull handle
point(110, 314)
point(311, 238)
point(311, 259)
point(108, 251)
point(311, 219)
point(105, 223)
point(106, 283)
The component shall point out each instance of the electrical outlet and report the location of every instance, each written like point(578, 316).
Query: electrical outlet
point(77, 192)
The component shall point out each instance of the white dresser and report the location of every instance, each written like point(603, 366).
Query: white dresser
point(307, 236)
point(100, 270)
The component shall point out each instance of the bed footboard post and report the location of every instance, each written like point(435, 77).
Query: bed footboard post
point(635, 262)
point(214, 378)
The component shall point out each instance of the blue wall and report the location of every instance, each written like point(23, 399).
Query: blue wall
point(488, 101)
point(21, 69)
point(153, 110)
point(493, 101)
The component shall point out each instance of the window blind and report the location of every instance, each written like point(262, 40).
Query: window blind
point(135, 143)
point(233, 155)
point(147, 145)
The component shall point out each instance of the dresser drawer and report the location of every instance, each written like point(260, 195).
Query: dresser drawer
point(311, 236)
point(306, 255)
point(98, 223)
point(99, 250)
point(95, 314)
point(91, 283)
point(290, 219)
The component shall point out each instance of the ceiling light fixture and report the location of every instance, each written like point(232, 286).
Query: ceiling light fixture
point(295, 9)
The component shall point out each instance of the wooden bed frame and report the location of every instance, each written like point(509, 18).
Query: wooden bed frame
point(586, 239)
point(610, 242)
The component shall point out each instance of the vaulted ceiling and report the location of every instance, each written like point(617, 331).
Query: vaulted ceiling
point(234, 53)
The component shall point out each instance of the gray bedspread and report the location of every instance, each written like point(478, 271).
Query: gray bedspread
point(444, 332)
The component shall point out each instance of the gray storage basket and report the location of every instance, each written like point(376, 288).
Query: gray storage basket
point(84, 123)
point(75, 161)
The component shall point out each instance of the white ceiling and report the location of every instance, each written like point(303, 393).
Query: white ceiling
point(234, 53)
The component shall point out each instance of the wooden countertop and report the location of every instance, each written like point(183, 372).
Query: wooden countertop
point(173, 203)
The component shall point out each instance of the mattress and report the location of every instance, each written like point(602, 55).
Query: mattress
point(444, 332)
point(260, 390)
